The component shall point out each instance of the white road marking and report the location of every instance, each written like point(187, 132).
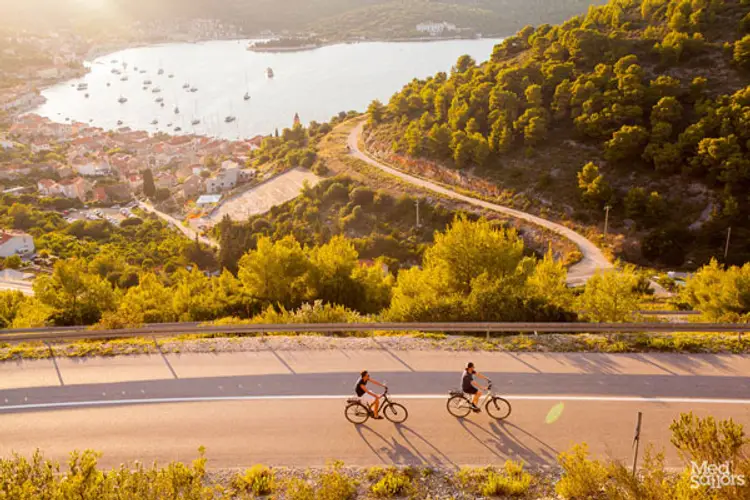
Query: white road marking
point(302, 397)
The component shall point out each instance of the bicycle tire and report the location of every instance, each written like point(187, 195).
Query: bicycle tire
point(498, 408)
point(458, 406)
point(356, 413)
point(396, 413)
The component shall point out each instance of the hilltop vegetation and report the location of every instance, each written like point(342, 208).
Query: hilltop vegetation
point(379, 225)
point(641, 105)
point(335, 19)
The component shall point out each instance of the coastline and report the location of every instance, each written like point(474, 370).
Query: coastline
point(101, 51)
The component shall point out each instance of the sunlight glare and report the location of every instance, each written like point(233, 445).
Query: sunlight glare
point(555, 413)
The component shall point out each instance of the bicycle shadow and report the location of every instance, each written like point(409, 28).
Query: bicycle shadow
point(437, 457)
point(505, 445)
point(387, 451)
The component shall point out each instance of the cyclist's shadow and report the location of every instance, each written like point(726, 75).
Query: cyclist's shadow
point(389, 451)
point(503, 444)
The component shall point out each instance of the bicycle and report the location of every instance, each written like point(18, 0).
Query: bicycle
point(357, 412)
point(459, 404)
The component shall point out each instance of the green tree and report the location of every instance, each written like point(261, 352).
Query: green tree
point(722, 295)
point(75, 296)
point(610, 296)
point(13, 262)
point(149, 188)
point(275, 272)
point(376, 112)
point(742, 52)
point(626, 143)
point(594, 189)
point(149, 302)
point(439, 140)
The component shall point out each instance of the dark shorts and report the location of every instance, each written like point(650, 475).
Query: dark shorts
point(471, 390)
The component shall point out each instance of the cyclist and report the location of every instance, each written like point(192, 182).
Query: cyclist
point(469, 386)
point(369, 398)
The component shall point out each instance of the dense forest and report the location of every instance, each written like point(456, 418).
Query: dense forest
point(378, 224)
point(336, 19)
point(639, 105)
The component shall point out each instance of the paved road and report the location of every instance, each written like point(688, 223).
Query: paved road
point(286, 407)
point(593, 258)
point(190, 233)
point(21, 286)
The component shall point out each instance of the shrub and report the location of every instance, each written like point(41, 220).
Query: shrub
point(13, 262)
point(298, 489)
point(582, 478)
point(131, 221)
point(511, 481)
point(362, 196)
point(701, 439)
point(514, 482)
point(258, 480)
point(392, 483)
point(336, 192)
point(334, 485)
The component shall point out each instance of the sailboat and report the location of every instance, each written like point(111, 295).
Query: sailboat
point(247, 94)
point(230, 118)
point(122, 99)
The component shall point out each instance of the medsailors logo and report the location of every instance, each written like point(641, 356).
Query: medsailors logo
point(714, 476)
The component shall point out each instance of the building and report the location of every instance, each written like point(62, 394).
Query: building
point(15, 243)
point(208, 199)
point(224, 180)
point(192, 186)
point(434, 29)
point(48, 187)
point(100, 194)
point(91, 166)
point(165, 181)
point(74, 188)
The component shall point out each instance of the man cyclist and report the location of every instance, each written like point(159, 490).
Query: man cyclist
point(469, 386)
point(369, 398)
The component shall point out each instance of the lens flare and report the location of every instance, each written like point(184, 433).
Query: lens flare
point(555, 413)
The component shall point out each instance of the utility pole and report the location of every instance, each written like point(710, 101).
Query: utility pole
point(417, 204)
point(606, 219)
point(637, 441)
point(726, 247)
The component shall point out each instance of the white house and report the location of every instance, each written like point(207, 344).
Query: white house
point(15, 243)
point(91, 166)
point(224, 180)
point(436, 28)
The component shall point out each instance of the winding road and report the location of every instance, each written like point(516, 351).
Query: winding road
point(593, 258)
point(285, 406)
point(190, 233)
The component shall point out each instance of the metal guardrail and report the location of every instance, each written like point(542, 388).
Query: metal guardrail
point(171, 329)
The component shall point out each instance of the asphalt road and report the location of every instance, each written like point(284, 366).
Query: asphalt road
point(286, 407)
point(188, 232)
point(593, 258)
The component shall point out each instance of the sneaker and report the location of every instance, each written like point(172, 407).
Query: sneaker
point(475, 408)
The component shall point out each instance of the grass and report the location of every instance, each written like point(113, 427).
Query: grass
point(258, 480)
point(392, 482)
point(510, 481)
point(679, 342)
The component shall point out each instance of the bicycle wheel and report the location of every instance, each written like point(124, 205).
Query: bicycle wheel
point(356, 413)
point(458, 406)
point(396, 413)
point(498, 408)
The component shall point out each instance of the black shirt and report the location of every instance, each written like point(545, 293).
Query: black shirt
point(360, 392)
point(466, 380)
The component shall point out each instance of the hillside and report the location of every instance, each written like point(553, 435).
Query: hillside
point(336, 19)
point(639, 105)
